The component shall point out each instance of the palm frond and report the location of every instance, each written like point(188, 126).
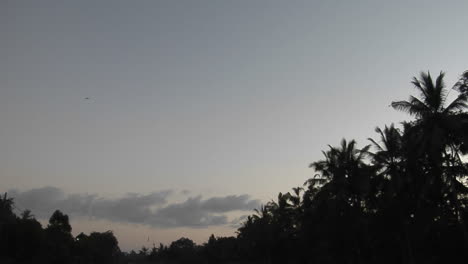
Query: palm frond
point(418, 108)
point(460, 103)
point(428, 83)
point(403, 106)
point(414, 108)
point(440, 92)
point(376, 145)
point(364, 151)
point(462, 84)
point(440, 80)
point(422, 89)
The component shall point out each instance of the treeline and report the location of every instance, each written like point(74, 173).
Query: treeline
point(23, 240)
point(401, 199)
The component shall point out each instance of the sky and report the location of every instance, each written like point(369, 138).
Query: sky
point(168, 119)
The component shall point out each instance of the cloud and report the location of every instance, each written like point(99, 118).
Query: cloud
point(41, 201)
point(132, 208)
point(195, 212)
point(151, 209)
point(229, 203)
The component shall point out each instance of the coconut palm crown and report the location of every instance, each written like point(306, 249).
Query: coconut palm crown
point(432, 98)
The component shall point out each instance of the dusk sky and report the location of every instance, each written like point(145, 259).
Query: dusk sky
point(163, 119)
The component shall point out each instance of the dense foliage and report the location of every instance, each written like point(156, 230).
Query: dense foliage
point(401, 199)
point(23, 240)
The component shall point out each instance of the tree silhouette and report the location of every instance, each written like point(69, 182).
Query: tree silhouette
point(434, 145)
point(59, 238)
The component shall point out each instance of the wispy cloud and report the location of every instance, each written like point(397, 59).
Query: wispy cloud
point(152, 209)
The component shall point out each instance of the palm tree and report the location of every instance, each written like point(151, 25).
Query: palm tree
point(437, 127)
point(345, 170)
point(388, 159)
point(432, 99)
point(432, 124)
point(389, 152)
point(434, 141)
point(342, 200)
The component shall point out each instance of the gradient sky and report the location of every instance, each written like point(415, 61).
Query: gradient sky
point(223, 100)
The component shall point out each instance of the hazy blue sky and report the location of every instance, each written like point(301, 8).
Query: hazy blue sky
point(199, 110)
